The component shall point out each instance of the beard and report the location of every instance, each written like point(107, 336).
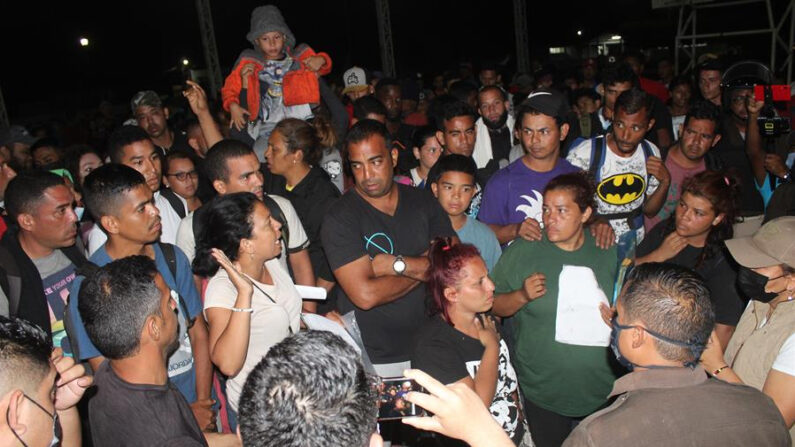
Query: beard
point(496, 125)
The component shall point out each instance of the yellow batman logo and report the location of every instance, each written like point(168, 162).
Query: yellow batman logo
point(621, 189)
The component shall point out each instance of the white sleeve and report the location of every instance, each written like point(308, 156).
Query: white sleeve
point(580, 155)
point(785, 361)
point(298, 239)
point(185, 239)
point(96, 238)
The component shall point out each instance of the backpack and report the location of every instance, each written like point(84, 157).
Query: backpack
point(174, 201)
point(598, 153)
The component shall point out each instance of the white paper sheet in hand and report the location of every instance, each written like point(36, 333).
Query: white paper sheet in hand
point(320, 323)
point(578, 319)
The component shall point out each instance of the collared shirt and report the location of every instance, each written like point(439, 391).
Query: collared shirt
point(682, 406)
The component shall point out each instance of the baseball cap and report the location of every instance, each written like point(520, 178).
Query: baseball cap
point(145, 98)
point(354, 79)
point(772, 244)
point(549, 102)
point(16, 134)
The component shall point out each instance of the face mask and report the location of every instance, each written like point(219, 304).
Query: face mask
point(696, 348)
point(57, 430)
point(752, 284)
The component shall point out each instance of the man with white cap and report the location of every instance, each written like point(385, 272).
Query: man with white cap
point(761, 353)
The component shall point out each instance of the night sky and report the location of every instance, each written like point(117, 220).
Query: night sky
point(134, 44)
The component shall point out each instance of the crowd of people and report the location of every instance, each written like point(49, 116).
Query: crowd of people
point(542, 255)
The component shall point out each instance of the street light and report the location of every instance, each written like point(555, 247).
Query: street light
point(616, 37)
point(579, 32)
point(83, 42)
point(185, 62)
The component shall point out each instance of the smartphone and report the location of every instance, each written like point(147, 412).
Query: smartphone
point(392, 403)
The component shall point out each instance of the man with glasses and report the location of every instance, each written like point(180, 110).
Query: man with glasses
point(182, 181)
point(662, 323)
point(39, 387)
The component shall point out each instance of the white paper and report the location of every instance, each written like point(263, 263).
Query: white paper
point(320, 323)
point(311, 293)
point(579, 321)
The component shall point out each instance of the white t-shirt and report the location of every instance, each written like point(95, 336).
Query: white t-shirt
point(270, 322)
point(169, 219)
point(186, 240)
point(615, 191)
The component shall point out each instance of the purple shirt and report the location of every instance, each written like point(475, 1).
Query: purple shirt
point(515, 193)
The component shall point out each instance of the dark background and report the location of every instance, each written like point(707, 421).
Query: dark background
point(138, 45)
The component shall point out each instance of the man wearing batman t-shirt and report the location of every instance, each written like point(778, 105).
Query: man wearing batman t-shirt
point(631, 178)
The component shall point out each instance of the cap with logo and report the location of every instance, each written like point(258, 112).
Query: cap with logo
point(549, 102)
point(355, 80)
point(16, 134)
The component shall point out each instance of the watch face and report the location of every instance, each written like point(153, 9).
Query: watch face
point(399, 266)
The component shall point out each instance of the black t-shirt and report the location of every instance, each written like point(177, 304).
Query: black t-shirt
point(500, 143)
point(311, 198)
point(449, 355)
point(126, 414)
point(718, 272)
point(353, 228)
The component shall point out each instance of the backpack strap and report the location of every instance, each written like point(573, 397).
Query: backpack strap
point(171, 259)
point(174, 201)
point(597, 158)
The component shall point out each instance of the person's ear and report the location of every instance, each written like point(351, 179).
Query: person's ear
point(450, 294)
point(601, 90)
point(681, 130)
point(564, 131)
point(165, 112)
point(220, 186)
point(651, 124)
point(26, 221)
point(598, 103)
point(586, 214)
point(110, 224)
point(152, 328)
point(394, 154)
point(440, 138)
point(14, 412)
point(638, 337)
point(435, 189)
point(194, 143)
point(237, 432)
point(715, 140)
point(718, 219)
point(416, 152)
point(165, 181)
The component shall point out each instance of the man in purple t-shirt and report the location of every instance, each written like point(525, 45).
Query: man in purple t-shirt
point(513, 198)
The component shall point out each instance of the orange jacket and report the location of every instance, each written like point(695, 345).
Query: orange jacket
point(230, 92)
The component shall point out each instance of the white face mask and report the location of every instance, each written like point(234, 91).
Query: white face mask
point(57, 431)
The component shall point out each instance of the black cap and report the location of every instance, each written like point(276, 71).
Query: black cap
point(549, 102)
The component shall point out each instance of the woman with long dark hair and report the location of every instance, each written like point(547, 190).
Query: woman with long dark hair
point(250, 302)
point(461, 343)
point(693, 237)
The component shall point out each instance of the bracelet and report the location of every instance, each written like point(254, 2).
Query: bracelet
point(717, 371)
point(247, 310)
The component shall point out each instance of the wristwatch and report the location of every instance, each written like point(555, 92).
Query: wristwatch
point(399, 266)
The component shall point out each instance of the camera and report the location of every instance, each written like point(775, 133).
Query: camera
point(770, 124)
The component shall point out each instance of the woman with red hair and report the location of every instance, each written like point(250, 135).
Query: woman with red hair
point(461, 343)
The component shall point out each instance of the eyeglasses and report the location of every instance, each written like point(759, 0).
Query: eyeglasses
point(182, 176)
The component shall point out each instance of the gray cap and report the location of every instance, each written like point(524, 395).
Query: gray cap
point(16, 134)
point(772, 244)
point(265, 19)
point(548, 101)
point(145, 98)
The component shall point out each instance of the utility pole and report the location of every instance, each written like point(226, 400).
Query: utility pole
point(210, 49)
point(522, 41)
point(385, 37)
